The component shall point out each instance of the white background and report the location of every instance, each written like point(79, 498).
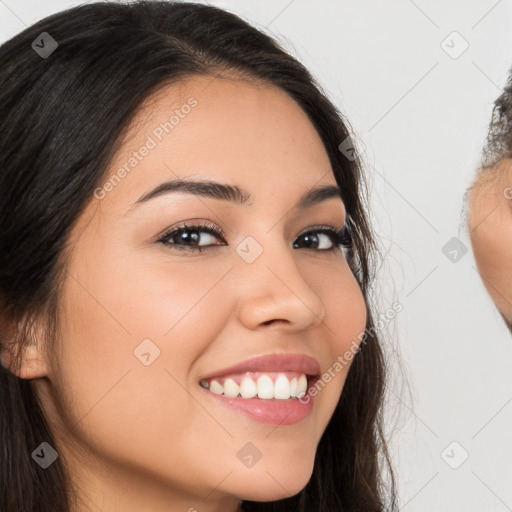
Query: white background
point(422, 116)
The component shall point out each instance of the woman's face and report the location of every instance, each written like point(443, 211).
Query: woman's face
point(144, 322)
point(490, 225)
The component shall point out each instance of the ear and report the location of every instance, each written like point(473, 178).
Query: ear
point(33, 361)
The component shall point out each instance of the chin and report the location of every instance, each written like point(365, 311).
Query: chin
point(272, 484)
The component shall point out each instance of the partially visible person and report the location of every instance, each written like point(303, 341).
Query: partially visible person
point(490, 207)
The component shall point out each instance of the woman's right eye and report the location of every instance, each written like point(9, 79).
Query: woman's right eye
point(187, 237)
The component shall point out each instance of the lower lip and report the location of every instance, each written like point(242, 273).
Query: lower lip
point(272, 411)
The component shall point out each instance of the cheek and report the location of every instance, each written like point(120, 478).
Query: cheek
point(131, 332)
point(124, 297)
point(346, 311)
point(120, 408)
point(345, 323)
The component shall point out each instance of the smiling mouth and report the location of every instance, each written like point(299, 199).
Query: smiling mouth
point(272, 398)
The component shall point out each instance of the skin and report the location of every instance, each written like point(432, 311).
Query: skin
point(148, 438)
point(490, 225)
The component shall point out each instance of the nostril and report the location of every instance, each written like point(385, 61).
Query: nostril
point(278, 321)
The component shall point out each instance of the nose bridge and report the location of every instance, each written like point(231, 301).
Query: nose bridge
point(272, 286)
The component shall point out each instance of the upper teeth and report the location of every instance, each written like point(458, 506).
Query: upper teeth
point(283, 388)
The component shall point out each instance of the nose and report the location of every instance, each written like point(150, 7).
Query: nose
point(274, 290)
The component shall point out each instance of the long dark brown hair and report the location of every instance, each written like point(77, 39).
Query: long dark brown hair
point(63, 116)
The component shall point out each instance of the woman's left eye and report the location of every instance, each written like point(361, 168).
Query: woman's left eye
point(188, 238)
point(336, 238)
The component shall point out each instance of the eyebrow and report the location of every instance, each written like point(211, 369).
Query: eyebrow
point(235, 194)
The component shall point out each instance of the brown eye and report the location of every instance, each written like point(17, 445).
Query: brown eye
point(188, 237)
point(315, 238)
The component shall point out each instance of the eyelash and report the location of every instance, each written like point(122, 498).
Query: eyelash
point(339, 237)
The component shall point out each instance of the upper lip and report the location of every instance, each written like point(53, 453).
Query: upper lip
point(300, 363)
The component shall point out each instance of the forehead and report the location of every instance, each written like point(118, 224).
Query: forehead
point(228, 129)
point(490, 230)
point(486, 188)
